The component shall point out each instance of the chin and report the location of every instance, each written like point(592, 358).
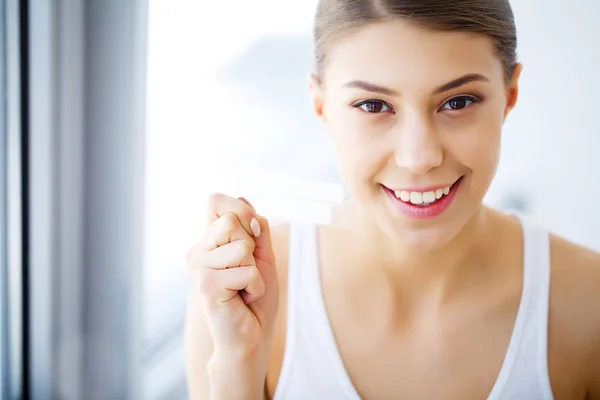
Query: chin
point(422, 238)
point(428, 235)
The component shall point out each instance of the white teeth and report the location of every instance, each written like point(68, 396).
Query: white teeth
point(402, 195)
point(428, 197)
point(416, 198)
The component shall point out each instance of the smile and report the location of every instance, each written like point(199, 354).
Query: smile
point(423, 199)
point(423, 203)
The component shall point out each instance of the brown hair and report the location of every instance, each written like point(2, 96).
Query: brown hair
point(491, 18)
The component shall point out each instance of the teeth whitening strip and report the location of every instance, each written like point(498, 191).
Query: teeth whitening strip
point(282, 197)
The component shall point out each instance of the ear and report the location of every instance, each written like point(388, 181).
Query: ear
point(316, 95)
point(513, 89)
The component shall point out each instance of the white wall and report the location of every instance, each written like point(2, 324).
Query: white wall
point(552, 138)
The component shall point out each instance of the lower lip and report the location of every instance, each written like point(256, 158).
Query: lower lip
point(424, 212)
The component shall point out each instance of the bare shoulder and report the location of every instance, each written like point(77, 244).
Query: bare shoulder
point(565, 253)
point(574, 318)
point(576, 274)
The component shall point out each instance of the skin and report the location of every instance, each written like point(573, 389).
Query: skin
point(446, 289)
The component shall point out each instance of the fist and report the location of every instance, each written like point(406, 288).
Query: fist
point(233, 268)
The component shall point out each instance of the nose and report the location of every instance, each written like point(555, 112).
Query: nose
point(418, 148)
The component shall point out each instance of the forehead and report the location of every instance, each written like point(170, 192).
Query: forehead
point(397, 54)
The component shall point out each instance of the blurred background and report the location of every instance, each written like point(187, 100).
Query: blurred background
point(121, 117)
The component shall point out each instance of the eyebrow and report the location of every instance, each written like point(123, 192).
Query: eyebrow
point(371, 87)
point(463, 80)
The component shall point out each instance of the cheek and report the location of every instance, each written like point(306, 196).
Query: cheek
point(355, 157)
point(478, 148)
point(359, 155)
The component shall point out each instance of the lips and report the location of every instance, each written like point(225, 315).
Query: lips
point(423, 198)
point(423, 203)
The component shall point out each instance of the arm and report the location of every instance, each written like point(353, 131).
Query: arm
point(575, 318)
point(232, 304)
point(209, 375)
point(594, 366)
point(594, 383)
point(590, 264)
point(199, 349)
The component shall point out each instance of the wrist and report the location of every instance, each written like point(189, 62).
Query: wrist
point(235, 378)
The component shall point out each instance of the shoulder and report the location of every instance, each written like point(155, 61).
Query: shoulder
point(575, 273)
point(574, 316)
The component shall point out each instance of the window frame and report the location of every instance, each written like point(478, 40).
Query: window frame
point(12, 186)
point(84, 217)
point(4, 344)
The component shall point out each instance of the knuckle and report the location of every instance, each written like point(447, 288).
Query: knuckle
point(248, 247)
point(242, 250)
point(239, 251)
point(228, 222)
point(225, 229)
point(254, 274)
point(245, 210)
point(214, 199)
point(245, 201)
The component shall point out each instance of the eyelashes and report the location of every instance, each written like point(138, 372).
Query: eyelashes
point(458, 103)
point(373, 106)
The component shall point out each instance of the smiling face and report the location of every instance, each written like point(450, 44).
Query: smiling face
point(415, 119)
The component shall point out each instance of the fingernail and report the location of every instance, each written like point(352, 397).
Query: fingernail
point(255, 227)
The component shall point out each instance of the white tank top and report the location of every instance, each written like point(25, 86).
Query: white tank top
point(312, 367)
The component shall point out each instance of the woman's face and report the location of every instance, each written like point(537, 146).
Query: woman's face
point(415, 118)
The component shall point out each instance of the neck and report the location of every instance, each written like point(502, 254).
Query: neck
point(421, 268)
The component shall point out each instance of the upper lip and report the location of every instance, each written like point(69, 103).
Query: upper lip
point(423, 189)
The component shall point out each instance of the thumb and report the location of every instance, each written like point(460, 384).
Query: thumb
point(247, 202)
point(264, 247)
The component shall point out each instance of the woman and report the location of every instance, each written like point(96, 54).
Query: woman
point(422, 292)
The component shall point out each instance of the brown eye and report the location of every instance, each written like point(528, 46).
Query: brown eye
point(459, 103)
point(373, 106)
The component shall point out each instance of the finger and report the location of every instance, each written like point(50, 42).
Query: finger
point(221, 286)
point(263, 245)
point(247, 202)
point(220, 204)
point(230, 255)
point(224, 230)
